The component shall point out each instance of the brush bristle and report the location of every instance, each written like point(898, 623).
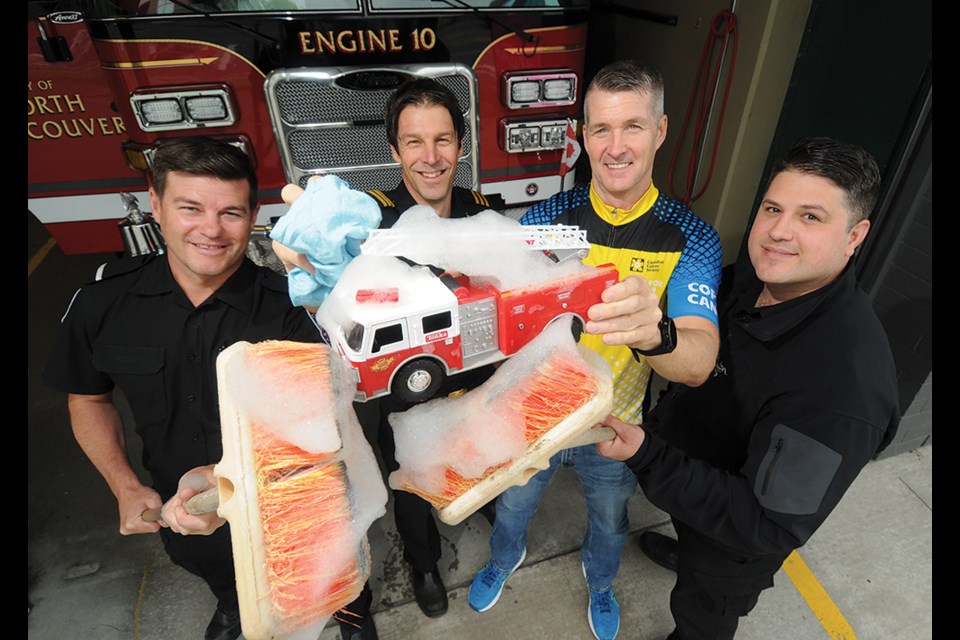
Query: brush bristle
point(302, 496)
point(550, 393)
point(303, 505)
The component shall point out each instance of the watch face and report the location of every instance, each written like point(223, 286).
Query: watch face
point(669, 332)
point(668, 339)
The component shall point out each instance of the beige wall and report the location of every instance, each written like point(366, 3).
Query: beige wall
point(769, 34)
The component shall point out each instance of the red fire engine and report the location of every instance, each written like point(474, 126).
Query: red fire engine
point(406, 339)
point(299, 84)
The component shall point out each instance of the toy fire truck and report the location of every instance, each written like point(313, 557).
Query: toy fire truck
point(407, 339)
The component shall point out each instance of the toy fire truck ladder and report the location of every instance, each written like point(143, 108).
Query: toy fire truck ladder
point(558, 241)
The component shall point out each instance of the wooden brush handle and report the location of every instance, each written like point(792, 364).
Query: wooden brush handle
point(202, 503)
point(593, 435)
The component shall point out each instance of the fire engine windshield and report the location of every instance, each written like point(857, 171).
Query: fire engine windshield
point(353, 334)
point(476, 4)
point(131, 8)
point(127, 8)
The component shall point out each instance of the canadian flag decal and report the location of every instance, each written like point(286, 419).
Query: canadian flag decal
point(571, 150)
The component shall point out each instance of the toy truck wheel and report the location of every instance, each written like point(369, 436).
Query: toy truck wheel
point(576, 327)
point(417, 381)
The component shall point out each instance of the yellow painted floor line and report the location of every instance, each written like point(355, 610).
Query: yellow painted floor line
point(38, 257)
point(136, 610)
point(817, 598)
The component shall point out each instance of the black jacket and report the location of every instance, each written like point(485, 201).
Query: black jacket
point(804, 394)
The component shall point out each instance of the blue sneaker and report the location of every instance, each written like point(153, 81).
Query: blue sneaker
point(488, 585)
point(604, 614)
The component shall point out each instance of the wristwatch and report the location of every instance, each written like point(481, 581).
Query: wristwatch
point(668, 340)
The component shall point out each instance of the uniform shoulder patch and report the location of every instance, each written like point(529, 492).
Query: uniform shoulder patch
point(381, 198)
point(492, 201)
point(121, 267)
point(479, 198)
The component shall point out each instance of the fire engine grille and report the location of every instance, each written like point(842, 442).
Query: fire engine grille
point(329, 121)
point(303, 102)
point(339, 147)
point(317, 103)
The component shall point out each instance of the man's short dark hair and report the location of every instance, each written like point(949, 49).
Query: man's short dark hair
point(629, 75)
point(202, 156)
point(422, 92)
point(846, 165)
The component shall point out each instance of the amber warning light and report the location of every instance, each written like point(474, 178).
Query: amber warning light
point(389, 294)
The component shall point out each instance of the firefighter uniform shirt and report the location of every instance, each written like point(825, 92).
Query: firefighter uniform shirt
point(464, 202)
point(135, 330)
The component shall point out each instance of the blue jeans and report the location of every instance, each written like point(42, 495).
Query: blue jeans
point(607, 487)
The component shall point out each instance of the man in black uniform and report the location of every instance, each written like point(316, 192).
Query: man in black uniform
point(804, 394)
point(153, 327)
point(425, 130)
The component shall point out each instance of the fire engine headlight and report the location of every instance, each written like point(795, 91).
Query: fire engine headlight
point(559, 90)
point(550, 88)
point(540, 135)
point(525, 91)
point(161, 111)
point(205, 108)
point(183, 108)
point(523, 138)
point(553, 135)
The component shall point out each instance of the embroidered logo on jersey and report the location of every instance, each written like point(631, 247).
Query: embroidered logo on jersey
point(702, 295)
point(636, 264)
point(654, 266)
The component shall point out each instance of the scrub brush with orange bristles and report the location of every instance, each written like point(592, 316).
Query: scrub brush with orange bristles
point(298, 483)
point(460, 453)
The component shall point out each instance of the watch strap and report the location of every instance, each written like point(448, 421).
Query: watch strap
point(668, 340)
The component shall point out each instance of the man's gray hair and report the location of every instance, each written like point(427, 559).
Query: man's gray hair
point(629, 75)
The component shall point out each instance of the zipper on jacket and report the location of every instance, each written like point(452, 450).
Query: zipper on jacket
point(613, 228)
point(773, 463)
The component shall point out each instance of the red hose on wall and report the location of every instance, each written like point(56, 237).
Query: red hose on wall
point(723, 34)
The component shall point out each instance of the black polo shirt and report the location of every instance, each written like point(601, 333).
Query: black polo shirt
point(135, 329)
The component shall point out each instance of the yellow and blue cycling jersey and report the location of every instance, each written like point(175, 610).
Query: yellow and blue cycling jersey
point(658, 238)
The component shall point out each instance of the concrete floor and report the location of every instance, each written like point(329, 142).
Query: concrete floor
point(873, 557)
